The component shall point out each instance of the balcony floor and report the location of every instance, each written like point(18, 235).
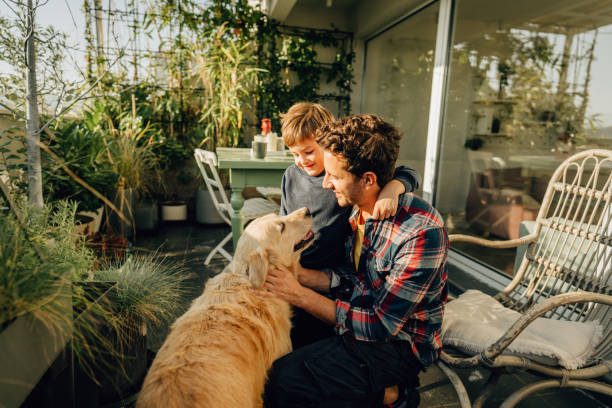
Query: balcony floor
point(190, 242)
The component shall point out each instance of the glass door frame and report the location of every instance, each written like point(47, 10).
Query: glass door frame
point(437, 111)
point(443, 44)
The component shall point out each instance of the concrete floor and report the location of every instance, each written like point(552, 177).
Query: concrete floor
point(190, 243)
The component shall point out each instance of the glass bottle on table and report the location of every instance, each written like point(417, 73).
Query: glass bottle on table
point(266, 131)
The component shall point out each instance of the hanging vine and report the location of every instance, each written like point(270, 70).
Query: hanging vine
point(286, 53)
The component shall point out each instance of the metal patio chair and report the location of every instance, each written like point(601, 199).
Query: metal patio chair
point(253, 207)
point(565, 274)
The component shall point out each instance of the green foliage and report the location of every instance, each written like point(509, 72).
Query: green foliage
point(40, 261)
point(151, 291)
point(51, 53)
point(81, 146)
point(39, 256)
point(298, 54)
point(13, 157)
point(539, 105)
point(130, 153)
point(281, 50)
point(46, 272)
point(290, 70)
point(226, 70)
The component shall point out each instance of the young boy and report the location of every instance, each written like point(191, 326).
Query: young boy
point(302, 186)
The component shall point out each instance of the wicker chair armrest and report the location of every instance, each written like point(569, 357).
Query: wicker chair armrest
point(511, 243)
point(488, 356)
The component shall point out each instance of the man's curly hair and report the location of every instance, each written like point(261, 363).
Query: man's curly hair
point(366, 142)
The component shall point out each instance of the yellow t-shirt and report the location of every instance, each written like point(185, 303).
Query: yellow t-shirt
point(358, 240)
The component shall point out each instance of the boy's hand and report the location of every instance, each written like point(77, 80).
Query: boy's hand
point(386, 205)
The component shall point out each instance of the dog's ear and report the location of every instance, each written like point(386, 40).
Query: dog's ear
point(258, 268)
point(254, 266)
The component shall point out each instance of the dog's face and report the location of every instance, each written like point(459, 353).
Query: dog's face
point(272, 240)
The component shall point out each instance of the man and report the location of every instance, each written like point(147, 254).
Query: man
point(387, 307)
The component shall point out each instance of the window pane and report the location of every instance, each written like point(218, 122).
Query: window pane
point(397, 83)
point(530, 85)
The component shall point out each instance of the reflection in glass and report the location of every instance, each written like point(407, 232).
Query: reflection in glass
point(397, 82)
point(529, 86)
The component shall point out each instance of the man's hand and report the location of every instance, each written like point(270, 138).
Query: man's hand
point(282, 284)
point(386, 204)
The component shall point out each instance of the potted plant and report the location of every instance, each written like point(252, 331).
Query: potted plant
point(174, 210)
point(130, 153)
point(226, 69)
point(150, 293)
point(146, 215)
point(205, 211)
point(56, 297)
point(81, 147)
point(39, 259)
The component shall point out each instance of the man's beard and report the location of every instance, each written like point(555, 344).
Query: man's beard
point(349, 198)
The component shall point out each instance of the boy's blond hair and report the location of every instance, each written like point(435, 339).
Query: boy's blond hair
point(302, 120)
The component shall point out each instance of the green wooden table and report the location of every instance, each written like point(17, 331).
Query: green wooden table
point(246, 171)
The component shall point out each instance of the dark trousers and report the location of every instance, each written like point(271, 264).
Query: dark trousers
point(340, 372)
point(306, 329)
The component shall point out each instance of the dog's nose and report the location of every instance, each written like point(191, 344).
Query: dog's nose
point(307, 213)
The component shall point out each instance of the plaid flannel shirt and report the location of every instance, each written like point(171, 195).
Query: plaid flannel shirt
point(398, 292)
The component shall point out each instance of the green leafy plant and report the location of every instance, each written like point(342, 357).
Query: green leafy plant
point(130, 153)
point(81, 145)
point(38, 257)
point(226, 70)
point(46, 272)
point(41, 263)
point(13, 157)
point(150, 291)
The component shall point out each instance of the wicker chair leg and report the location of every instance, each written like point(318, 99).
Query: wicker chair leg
point(527, 390)
point(488, 389)
point(462, 395)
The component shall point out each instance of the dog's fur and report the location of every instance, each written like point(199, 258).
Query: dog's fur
point(218, 353)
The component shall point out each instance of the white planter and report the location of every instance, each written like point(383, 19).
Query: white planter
point(174, 211)
point(94, 225)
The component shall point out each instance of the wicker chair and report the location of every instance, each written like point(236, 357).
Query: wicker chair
point(565, 274)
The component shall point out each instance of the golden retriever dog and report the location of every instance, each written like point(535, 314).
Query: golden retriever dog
point(218, 353)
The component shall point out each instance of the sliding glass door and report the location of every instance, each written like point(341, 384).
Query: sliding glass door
point(530, 84)
point(398, 78)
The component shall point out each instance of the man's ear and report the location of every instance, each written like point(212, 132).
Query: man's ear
point(369, 178)
point(254, 266)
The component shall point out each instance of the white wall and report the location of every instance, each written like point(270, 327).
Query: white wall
point(362, 17)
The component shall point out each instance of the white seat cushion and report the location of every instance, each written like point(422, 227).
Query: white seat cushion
point(253, 208)
point(270, 192)
point(474, 321)
point(257, 207)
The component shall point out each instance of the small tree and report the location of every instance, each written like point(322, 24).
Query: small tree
point(48, 94)
point(226, 69)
